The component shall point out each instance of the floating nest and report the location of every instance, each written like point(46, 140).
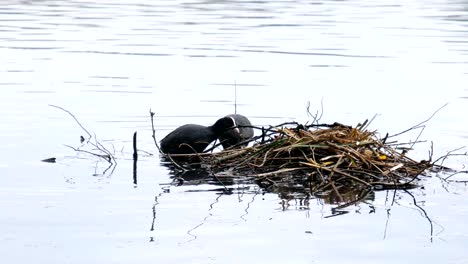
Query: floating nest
point(320, 158)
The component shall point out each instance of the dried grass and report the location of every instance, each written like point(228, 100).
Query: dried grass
point(337, 155)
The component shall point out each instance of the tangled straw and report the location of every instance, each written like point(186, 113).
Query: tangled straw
point(337, 155)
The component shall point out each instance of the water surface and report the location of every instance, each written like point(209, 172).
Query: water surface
point(110, 62)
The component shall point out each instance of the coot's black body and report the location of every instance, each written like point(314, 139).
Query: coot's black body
point(232, 136)
point(192, 138)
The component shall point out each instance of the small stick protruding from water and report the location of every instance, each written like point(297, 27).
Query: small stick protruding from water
point(157, 146)
point(154, 131)
point(135, 158)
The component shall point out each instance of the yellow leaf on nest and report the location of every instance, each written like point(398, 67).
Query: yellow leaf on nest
point(382, 157)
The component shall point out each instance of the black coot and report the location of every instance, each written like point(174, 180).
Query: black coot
point(192, 138)
point(233, 137)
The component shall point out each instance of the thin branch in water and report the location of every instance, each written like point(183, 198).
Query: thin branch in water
point(154, 131)
point(72, 115)
point(315, 117)
point(417, 138)
point(159, 149)
point(431, 152)
point(321, 111)
point(106, 157)
point(453, 174)
point(103, 149)
point(309, 113)
point(419, 124)
point(449, 154)
point(111, 165)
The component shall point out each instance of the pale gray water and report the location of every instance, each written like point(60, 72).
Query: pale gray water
point(110, 62)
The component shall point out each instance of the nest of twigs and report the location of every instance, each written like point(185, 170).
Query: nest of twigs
point(316, 158)
point(321, 157)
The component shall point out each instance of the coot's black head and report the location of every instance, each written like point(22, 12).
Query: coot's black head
point(222, 125)
point(243, 132)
